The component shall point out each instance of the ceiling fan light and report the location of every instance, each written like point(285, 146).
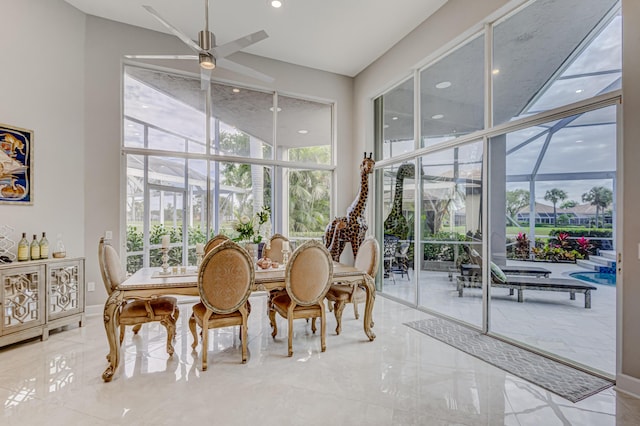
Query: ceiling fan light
point(207, 62)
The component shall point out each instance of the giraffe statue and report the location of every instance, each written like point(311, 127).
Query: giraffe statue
point(396, 223)
point(353, 227)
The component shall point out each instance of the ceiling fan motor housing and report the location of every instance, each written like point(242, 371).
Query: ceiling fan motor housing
point(206, 40)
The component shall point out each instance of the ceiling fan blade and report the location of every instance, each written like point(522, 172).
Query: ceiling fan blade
point(238, 44)
point(190, 57)
point(182, 36)
point(249, 72)
point(205, 78)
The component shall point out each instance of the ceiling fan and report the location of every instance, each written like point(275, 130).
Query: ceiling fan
point(209, 55)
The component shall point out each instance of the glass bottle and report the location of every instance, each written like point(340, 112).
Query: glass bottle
point(23, 248)
point(35, 248)
point(60, 251)
point(44, 246)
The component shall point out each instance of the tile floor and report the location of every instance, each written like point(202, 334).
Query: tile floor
point(401, 378)
point(547, 320)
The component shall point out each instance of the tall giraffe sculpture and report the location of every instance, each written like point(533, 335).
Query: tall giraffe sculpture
point(353, 227)
point(396, 223)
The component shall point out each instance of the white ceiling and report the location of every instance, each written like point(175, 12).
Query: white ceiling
point(340, 36)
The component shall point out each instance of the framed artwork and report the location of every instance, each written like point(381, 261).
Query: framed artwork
point(16, 165)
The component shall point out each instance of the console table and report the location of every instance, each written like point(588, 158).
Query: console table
point(38, 296)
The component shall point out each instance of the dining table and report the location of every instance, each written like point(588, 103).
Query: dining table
point(148, 283)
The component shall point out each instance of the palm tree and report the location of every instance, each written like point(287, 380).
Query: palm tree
point(600, 197)
point(554, 195)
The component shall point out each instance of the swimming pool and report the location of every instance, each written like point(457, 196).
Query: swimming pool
point(595, 277)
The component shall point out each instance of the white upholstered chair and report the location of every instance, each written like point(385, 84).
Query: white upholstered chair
point(224, 282)
point(274, 252)
point(220, 238)
point(340, 294)
point(308, 276)
point(135, 312)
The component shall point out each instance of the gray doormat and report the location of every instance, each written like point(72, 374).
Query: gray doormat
point(565, 381)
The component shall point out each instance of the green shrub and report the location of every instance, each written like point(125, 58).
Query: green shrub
point(135, 242)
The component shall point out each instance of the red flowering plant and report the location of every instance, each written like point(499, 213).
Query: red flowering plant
point(584, 246)
point(563, 240)
point(522, 246)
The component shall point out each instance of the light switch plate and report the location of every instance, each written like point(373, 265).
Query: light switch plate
point(108, 235)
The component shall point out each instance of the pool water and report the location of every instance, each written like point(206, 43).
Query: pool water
point(595, 277)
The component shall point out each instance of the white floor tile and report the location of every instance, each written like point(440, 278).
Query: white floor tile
point(401, 378)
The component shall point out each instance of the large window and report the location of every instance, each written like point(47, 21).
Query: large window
point(515, 169)
point(451, 94)
point(397, 120)
point(264, 149)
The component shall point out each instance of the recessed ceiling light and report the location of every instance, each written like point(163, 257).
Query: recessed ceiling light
point(437, 116)
point(579, 141)
point(275, 3)
point(443, 85)
point(386, 126)
point(145, 106)
point(235, 90)
point(303, 131)
point(271, 109)
point(496, 71)
point(579, 91)
point(394, 118)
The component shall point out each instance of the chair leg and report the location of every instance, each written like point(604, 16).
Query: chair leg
point(192, 327)
point(338, 308)
point(122, 330)
point(323, 331)
point(330, 306)
point(274, 325)
point(135, 329)
point(176, 314)
point(290, 318)
point(169, 323)
point(269, 308)
point(355, 310)
point(243, 329)
point(205, 345)
point(313, 323)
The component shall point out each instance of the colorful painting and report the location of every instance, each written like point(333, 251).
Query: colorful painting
point(16, 168)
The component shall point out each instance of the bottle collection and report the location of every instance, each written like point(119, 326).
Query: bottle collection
point(36, 250)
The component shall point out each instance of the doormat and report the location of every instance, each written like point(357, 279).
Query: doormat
point(567, 382)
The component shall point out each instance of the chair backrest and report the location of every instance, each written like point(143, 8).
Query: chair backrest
point(110, 266)
point(214, 242)
point(309, 273)
point(274, 252)
point(225, 278)
point(368, 257)
point(390, 246)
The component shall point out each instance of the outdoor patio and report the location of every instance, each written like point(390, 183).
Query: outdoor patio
point(547, 320)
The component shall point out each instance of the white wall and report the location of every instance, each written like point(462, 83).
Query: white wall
point(458, 18)
point(106, 43)
point(41, 86)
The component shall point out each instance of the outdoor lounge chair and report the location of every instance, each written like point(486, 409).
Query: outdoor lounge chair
point(473, 269)
point(516, 279)
point(522, 283)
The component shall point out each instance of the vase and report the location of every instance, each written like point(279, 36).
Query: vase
point(252, 249)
